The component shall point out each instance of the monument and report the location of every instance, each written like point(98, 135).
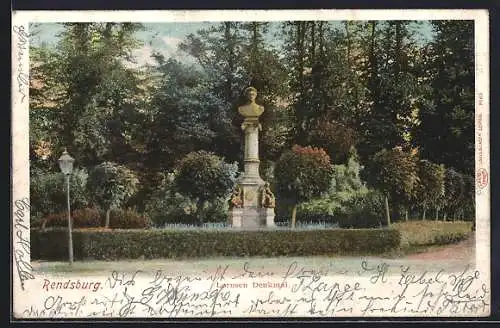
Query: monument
point(252, 202)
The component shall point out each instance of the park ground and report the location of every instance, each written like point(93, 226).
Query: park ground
point(452, 257)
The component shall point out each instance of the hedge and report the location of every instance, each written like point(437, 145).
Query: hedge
point(179, 244)
point(430, 232)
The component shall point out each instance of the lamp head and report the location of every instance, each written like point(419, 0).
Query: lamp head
point(66, 163)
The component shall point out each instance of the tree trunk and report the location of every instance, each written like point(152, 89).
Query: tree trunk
point(294, 215)
point(108, 212)
point(199, 212)
point(387, 213)
point(423, 214)
point(444, 216)
point(348, 40)
point(300, 52)
point(320, 40)
point(313, 42)
point(373, 25)
point(437, 213)
point(399, 42)
point(253, 54)
point(230, 59)
point(406, 214)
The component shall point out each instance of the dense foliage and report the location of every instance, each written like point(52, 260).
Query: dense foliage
point(48, 193)
point(167, 206)
point(392, 111)
point(128, 219)
point(82, 218)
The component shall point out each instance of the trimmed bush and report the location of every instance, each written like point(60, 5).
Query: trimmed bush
point(204, 177)
point(426, 233)
point(196, 243)
point(303, 174)
point(393, 172)
point(111, 185)
point(128, 219)
point(82, 218)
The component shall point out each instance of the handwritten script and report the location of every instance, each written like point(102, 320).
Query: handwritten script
point(22, 48)
point(295, 290)
point(22, 249)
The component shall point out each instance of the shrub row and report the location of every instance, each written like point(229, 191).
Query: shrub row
point(177, 244)
point(93, 218)
point(425, 233)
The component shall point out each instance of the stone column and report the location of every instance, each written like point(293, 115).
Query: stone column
point(251, 128)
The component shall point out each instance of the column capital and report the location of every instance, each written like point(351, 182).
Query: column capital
point(251, 124)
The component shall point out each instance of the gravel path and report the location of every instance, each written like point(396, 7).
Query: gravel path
point(464, 250)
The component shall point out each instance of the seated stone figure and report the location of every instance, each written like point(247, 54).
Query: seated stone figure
point(236, 200)
point(267, 198)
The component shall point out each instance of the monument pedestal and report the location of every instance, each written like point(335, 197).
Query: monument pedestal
point(251, 214)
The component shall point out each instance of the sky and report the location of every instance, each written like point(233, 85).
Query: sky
point(161, 37)
point(164, 38)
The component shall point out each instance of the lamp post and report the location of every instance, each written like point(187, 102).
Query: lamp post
point(66, 166)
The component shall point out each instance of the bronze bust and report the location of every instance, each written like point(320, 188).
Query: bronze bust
point(251, 109)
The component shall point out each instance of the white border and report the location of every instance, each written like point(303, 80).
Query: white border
point(149, 16)
point(20, 113)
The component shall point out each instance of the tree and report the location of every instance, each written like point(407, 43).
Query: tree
point(335, 203)
point(83, 92)
point(302, 174)
point(446, 132)
point(266, 72)
point(394, 172)
point(218, 50)
point(325, 92)
point(454, 192)
point(468, 208)
point(336, 138)
point(204, 177)
point(48, 192)
point(166, 205)
point(347, 177)
point(179, 113)
point(234, 56)
point(111, 185)
point(431, 185)
point(393, 88)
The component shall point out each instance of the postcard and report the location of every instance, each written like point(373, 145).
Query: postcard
point(250, 164)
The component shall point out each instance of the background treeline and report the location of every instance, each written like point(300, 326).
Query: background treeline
point(393, 112)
